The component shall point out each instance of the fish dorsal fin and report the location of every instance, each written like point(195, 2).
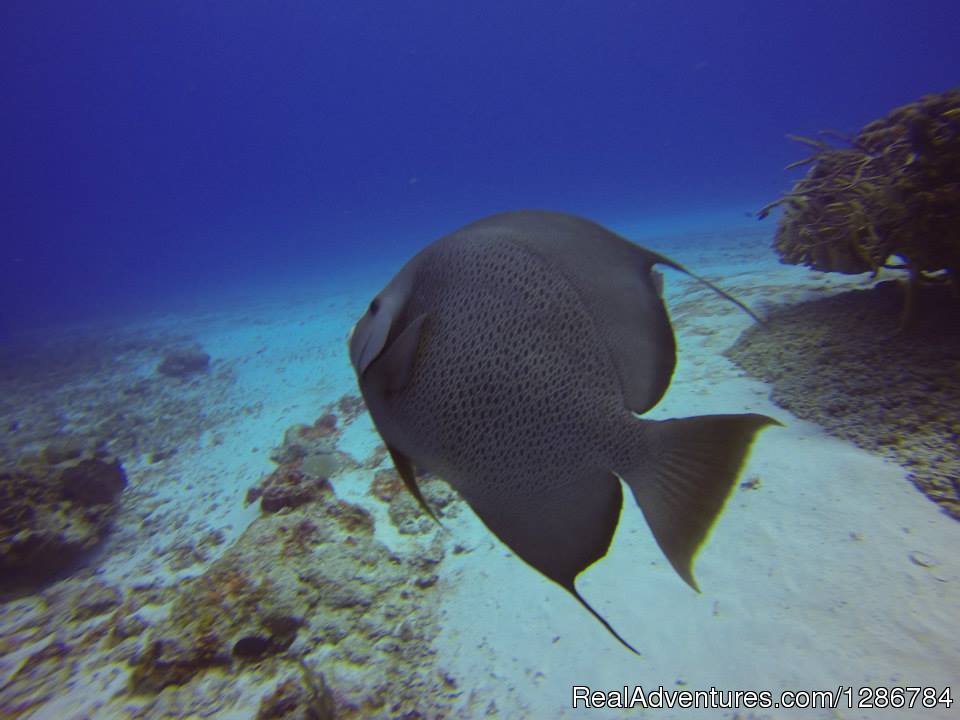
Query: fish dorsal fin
point(619, 287)
point(614, 280)
point(663, 260)
point(405, 469)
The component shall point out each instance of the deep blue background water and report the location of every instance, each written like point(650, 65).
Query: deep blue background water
point(151, 150)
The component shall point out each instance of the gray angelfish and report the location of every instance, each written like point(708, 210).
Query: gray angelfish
point(512, 358)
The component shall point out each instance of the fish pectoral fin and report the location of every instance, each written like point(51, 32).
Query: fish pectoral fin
point(396, 365)
point(682, 485)
point(405, 469)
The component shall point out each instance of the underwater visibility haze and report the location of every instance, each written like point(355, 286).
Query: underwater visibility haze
point(151, 150)
point(338, 339)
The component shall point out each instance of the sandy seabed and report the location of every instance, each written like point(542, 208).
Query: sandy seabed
point(828, 568)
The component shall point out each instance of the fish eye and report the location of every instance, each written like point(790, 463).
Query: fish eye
point(374, 306)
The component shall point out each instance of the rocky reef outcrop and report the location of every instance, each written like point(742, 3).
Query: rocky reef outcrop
point(309, 581)
point(309, 596)
point(312, 611)
point(404, 512)
point(306, 460)
point(54, 509)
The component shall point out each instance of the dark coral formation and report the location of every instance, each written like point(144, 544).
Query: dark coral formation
point(894, 192)
point(328, 620)
point(287, 487)
point(834, 361)
point(303, 696)
point(184, 362)
point(307, 584)
point(350, 407)
point(301, 440)
point(306, 461)
point(92, 482)
point(51, 514)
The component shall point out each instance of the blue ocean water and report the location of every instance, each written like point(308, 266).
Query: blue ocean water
point(153, 151)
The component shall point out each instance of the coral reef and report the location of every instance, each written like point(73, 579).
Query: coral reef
point(306, 460)
point(894, 192)
point(287, 487)
point(303, 614)
point(830, 361)
point(308, 596)
point(308, 580)
point(300, 440)
point(303, 697)
point(52, 513)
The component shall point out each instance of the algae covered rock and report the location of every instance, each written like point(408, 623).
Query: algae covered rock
point(405, 514)
point(312, 578)
point(306, 460)
point(92, 482)
point(301, 440)
point(287, 487)
point(51, 514)
point(302, 696)
point(330, 620)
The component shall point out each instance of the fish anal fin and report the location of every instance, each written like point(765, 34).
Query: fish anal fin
point(562, 532)
point(406, 471)
point(681, 485)
point(602, 619)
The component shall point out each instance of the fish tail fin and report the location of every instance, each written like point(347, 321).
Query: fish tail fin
point(685, 477)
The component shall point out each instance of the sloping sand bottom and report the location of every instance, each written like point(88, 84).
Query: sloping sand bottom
point(828, 568)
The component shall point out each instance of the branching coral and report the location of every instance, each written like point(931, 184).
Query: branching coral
point(893, 193)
